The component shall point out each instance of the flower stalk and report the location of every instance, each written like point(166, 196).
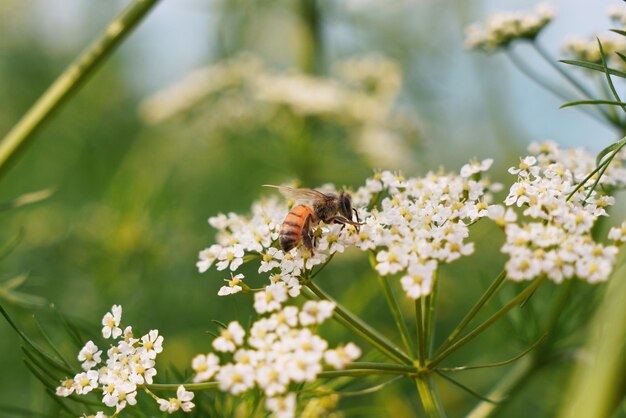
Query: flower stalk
point(496, 316)
point(351, 321)
point(71, 80)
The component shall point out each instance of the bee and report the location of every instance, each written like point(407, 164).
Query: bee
point(326, 207)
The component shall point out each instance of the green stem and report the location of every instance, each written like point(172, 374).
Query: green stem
point(479, 329)
point(428, 395)
point(397, 315)
point(474, 311)
point(71, 80)
point(351, 321)
point(421, 341)
point(395, 310)
point(431, 300)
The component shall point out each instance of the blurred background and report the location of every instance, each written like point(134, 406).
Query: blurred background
point(208, 100)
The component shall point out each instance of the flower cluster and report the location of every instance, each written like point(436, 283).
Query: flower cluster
point(414, 224)
point(588, 50)
point(280, 350)
point(555, 238)
point(244, 94)
point(130, 365)
point(500, 29)
point(617, 13)
point(422, 222)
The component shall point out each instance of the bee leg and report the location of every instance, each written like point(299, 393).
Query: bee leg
point(338, 219)
point(356, 215)
point(307, 235)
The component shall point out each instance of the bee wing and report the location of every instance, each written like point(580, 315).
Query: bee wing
point(298, 194)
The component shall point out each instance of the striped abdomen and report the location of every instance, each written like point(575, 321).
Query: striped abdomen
point(293, 225)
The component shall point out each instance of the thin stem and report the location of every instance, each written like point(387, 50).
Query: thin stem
point(421, 341)
point(349, 320)
point(528, 72)
point(515, 378)
point(71, 80)
point(428, 395)
point(397, 315)
point(474, 311)
point(394, 307)
point(429, 318)
point(577, 84)
point(479, 329)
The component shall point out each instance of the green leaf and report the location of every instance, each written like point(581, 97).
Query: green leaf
point(27, 199)
point(608, 76)
point(619, 31)
point(610, 148)
point(50, 343)
point(622, 56)
point(11, 244)
point(593, 102)
point(30, 343)
point(14, 283)
point(26, 300)
point(594, 66)
point(39, 370)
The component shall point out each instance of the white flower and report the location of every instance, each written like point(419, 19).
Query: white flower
point(182, 401)
point(342, 356)
point(282, 407)
point(418, 280)
point(86, 382)
point(316, 312)
point(392, 261)
point(205, 367)
point(89, 355)
point(271, 259)
point(236, 378)
point(111, 322)
point(272, 379)
point(525, 167)
point(66, 388)
point(152, 343)
point(233, 286)
point(230, 338)
point(207, 258)
point(230, 256)
point(271, 298)
point(476, 167)
point(501, 215)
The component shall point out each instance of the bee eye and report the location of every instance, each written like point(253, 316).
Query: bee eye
point(346, 206)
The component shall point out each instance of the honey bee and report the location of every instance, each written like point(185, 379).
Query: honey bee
point(302, 218)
